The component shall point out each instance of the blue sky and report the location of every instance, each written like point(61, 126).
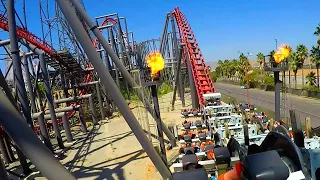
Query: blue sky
point(221, 27)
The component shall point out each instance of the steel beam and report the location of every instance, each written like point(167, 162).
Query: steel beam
point(178, 79)
point(154, 94)
point(119, 64)
point(103, 116)
point(105, 16)
point(17, 70)
point(193, 90)
point(44, 131)
point(107, 80)
point(87, 84)
point(65, 122)
point(29, 143)
point(43, 128)
point(114, 45)
point(177, 56)
point(77, 98)
point(72, 108)
point(44, 70)
point(105, 26)
point(72, 99)
point(28, 79)
point(277, 96)
point(5, 42)
point(164, 35)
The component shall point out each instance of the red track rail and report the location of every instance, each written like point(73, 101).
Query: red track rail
point(113, 21)
point(200, 72)
point(36, 41)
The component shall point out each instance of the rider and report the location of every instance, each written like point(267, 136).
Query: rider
point(233, 174)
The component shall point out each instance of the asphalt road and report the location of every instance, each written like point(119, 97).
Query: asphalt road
point(304, 107)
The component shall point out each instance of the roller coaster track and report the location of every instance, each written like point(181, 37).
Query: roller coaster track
point(200, 72)
point(36, 41)
point(125, 38)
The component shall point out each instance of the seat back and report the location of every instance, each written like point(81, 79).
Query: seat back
point(189, 159)
point(198, 123)
point(187, 138)
point(186, 126)
point(189, 150)
point(202, 137)
point(199, 174)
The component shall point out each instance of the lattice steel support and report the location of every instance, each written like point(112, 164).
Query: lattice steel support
point(107, 80)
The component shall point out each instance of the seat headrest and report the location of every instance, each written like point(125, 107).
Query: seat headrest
point(271, 168)
point(199, 174)
point(189, 159)
point(202, 137)
point(186, 126)
point(208, 147)
point(198, 123)
point(222, 155)
point(187, 138)
point(189, 150)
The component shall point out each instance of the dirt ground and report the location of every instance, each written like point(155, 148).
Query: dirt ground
point(111, 151)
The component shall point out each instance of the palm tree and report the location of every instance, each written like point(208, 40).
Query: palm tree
point(220, 65)
point(234, 67)
point(317, 33)
point(244, 66)
point(260, 59)
point(311, 79)
point(302, 55)
point(294, 66)
point(271, 53)
point(226, 65)
point(315, 58)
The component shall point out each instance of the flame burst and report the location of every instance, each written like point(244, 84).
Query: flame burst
point(282, 53)
point(155, 61)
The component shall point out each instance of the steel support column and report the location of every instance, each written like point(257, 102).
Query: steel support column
point(22, 94)
point(29, 84)
point(107, 80)
point(103, 116)
point(177, 58)
point(154, 94)
point(17, 70)
point(93, 111)
point(164, 35)
point(82, 120)
point(44, 132)
point(66, 127)
point(277, 95)
point(29, 143)
point(126, 75)
point(194, 96)
point(177, 80)
point(114, 45)
point(45, 74)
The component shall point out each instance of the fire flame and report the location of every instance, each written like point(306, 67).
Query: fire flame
point(155, 61)
point(282, 53)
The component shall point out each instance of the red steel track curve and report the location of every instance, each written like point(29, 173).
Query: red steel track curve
point(105, 21)
point(200, 72)
point(113, 21)
point(36, 41)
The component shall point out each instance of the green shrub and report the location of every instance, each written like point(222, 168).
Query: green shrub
point(268, 80)
point(213, 76)
point(164, 89)
point(311, 88)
